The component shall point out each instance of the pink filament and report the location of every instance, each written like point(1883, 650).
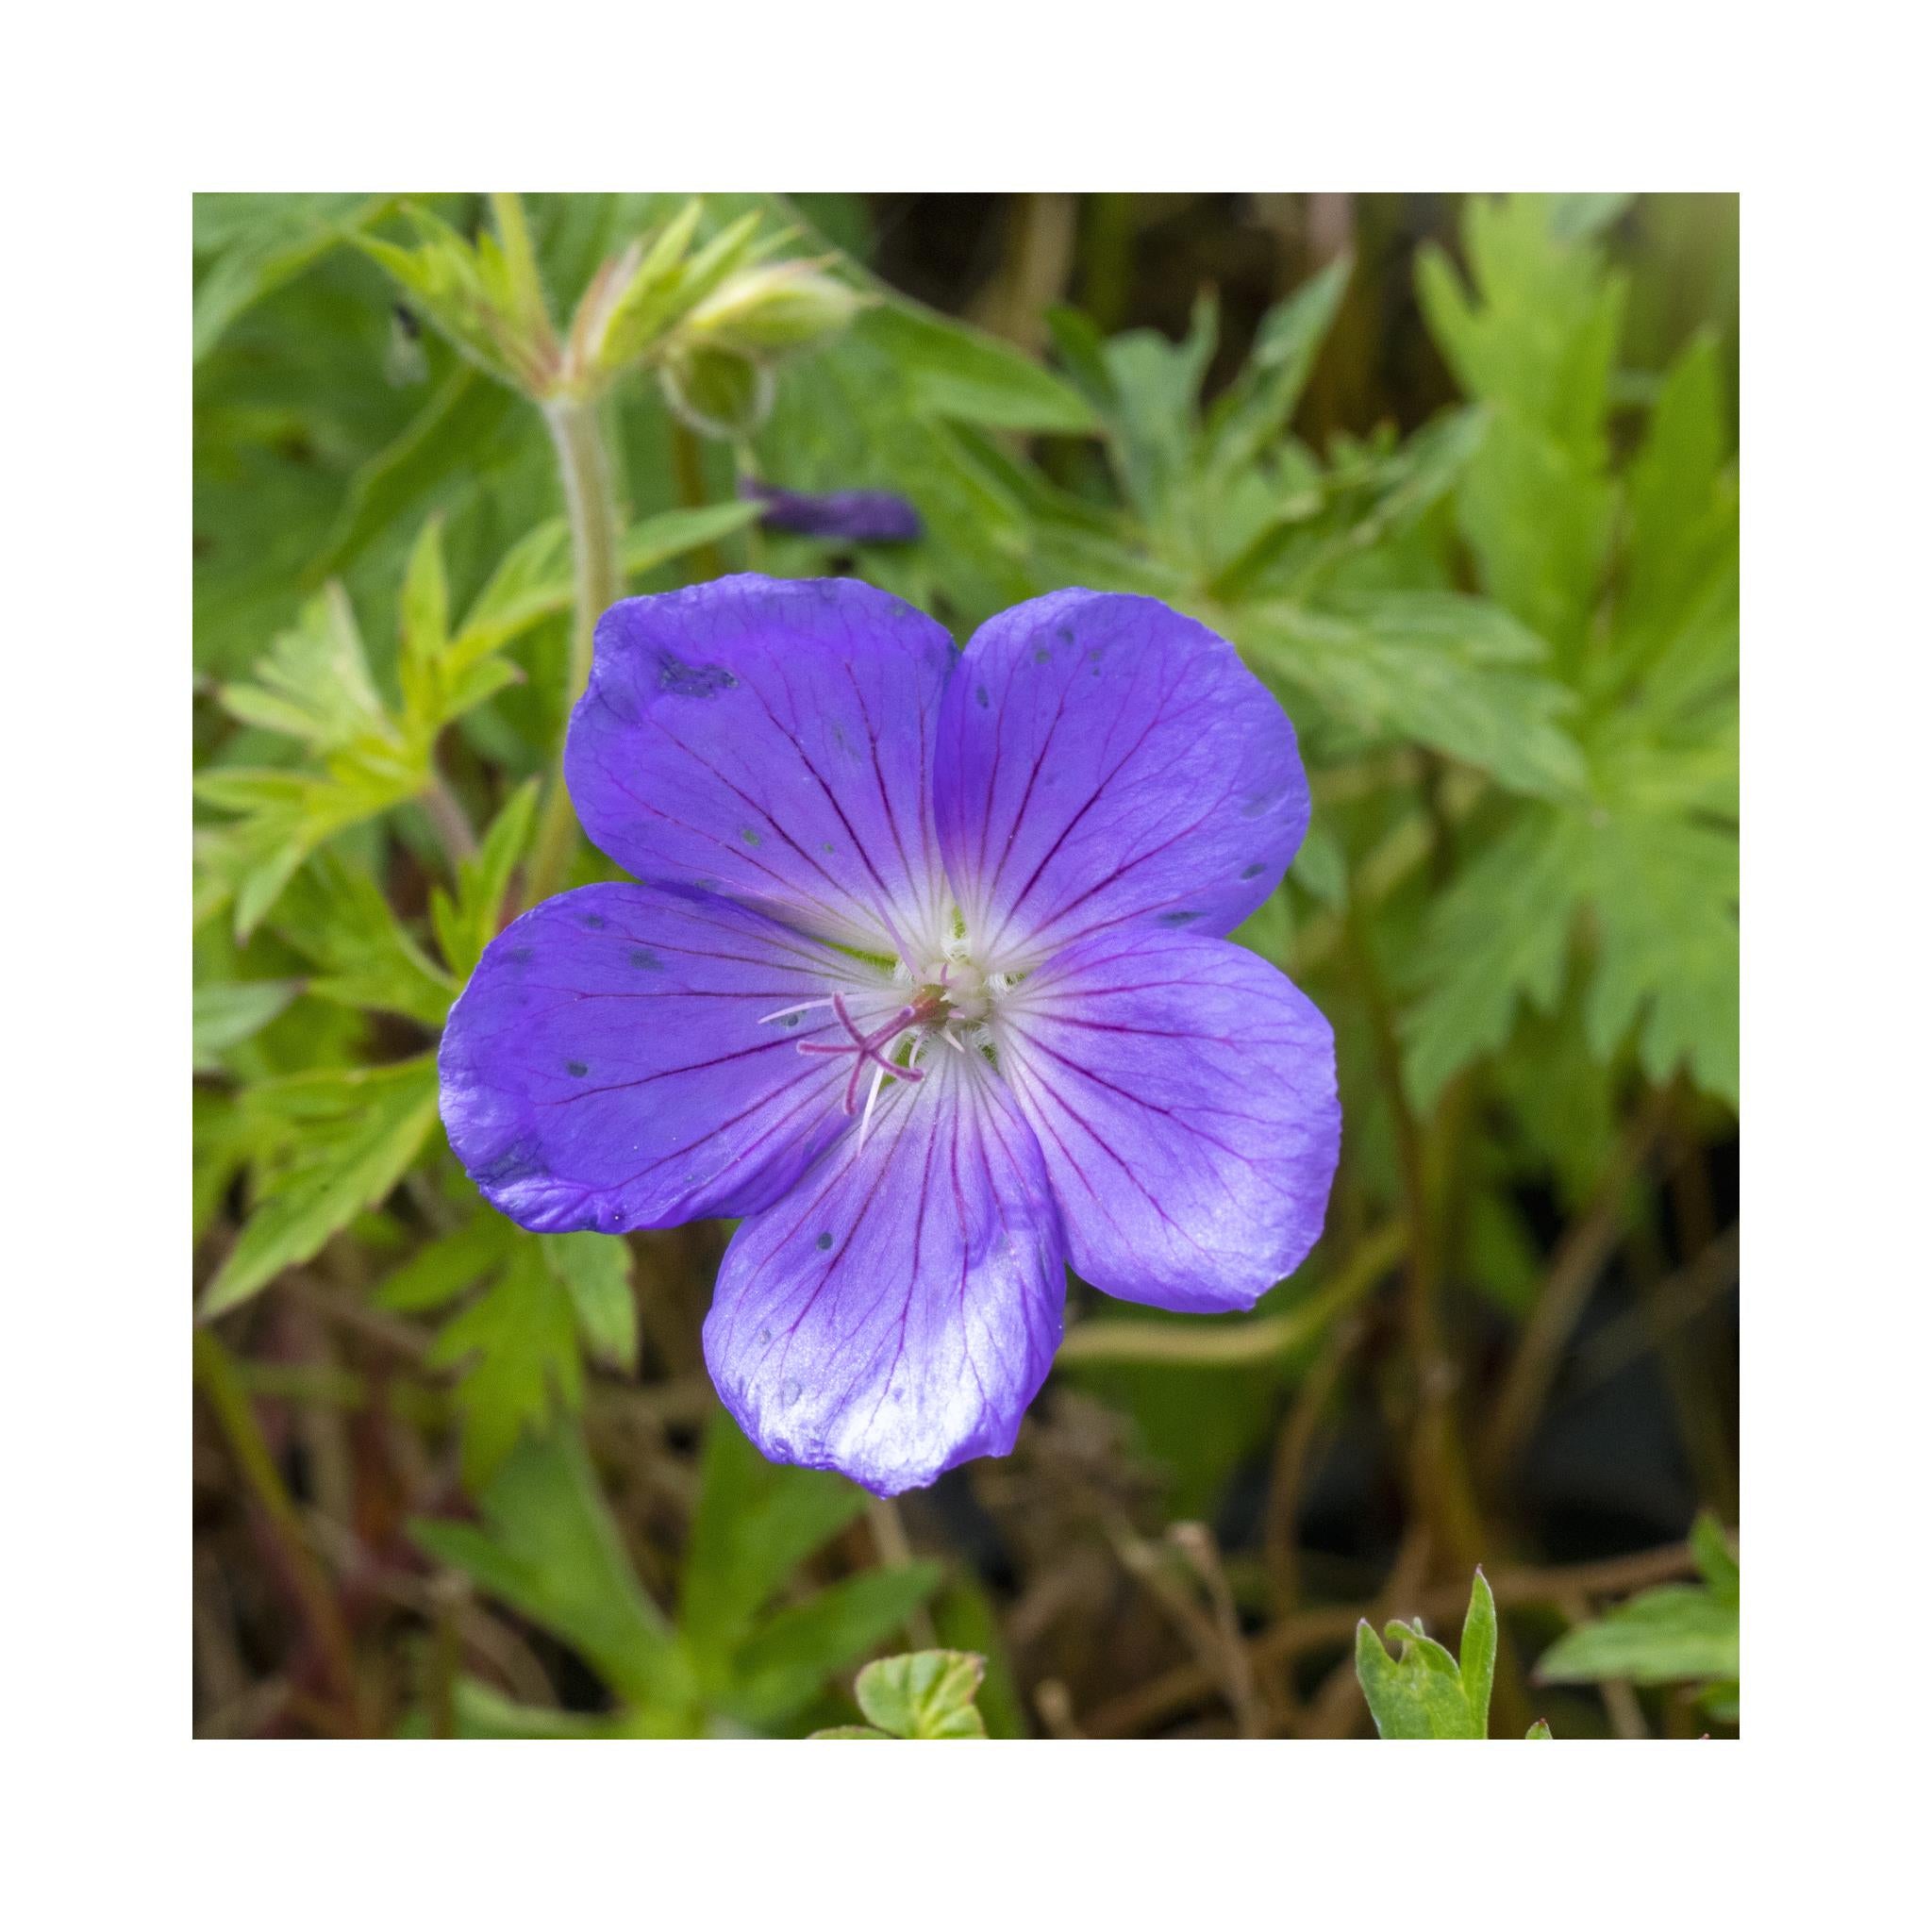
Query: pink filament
point(873, 1047)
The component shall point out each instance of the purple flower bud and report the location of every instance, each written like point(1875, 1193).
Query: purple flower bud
point(853, 516)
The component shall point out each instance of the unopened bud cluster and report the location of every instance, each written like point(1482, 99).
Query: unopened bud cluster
point(712, 318)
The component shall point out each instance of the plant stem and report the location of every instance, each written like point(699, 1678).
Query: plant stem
point(1238, 1344)
point(694, 493)
point(452, 823)
point(598, 574)
point(1573, 1270)
point(1440, 1486)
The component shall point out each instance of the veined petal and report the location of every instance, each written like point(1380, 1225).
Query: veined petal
point(607, 1067)
point(1183, 1095)
point(772, 741)
point(897, 1312)
point(1105, 761)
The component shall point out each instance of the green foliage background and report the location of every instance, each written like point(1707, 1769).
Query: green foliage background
point(1458, 478)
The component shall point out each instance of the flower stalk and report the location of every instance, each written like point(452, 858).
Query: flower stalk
point(597, 575)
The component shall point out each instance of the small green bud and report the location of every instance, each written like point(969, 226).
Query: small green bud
point(773, 308)
point(719, 394)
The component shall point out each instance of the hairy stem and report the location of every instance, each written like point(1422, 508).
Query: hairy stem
point(598, 574)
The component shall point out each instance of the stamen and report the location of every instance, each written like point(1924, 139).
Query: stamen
point(872, 1100)
point(786, 1012)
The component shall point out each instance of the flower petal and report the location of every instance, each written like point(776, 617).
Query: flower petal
point(1183, 1094)
point(607, 1067)
point(771, 740)
point(1103, 760)
point(850, 516)
point(895, 1315)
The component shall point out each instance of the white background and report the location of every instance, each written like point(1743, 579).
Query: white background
point(115, 115)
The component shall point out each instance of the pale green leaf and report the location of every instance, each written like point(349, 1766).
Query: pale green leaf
point(756, 1522)
point(595, 1269)
point(928, 1693)
point(227, 1012)
point(781, 1667)
point(362, 1130)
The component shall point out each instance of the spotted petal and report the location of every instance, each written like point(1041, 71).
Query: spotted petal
point(1106, 762)
point(897, 1313)
point(772, 741)
point(606, 1066)
point(1183, 1095)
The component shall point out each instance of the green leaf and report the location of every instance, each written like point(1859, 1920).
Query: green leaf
point(285, 816)
point(482, 1711)
point(1259, 405)
point(1677, 1633)
point(334, 915)
point(1153, 429)
point(1456, 673)
point(480, 295)
point(926, 1694)
point(1539, 1729)
point(314, 684)
point(424, 631)
point(1534, 341)
point(1656, 891)
point(1496, 939)
point(549, 1549)
point(227, 1012)
point(756, 1522)
point(1478, 1661)
point(442, 1269)
point(467, 924)
point(1664, 890)
point(675, 533)
point(1423, 1692)
point(964, 1617)
point(780, 1668)
point(359, 1131)
point(248, 245)
point(1682, 501)
point(959, 373)
point(595, 1269)
point(454, 426)
point(1715, 1558)
point(533, 582)
point(517, 1347)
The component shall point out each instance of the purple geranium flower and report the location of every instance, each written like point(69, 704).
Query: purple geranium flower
point(925, 979)
point(851, 516)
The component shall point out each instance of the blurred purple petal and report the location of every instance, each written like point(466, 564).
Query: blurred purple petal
point(772, 741)
point(606, 1066)
point(850, 516)
point(1105, 761)
point(898, 1312)
point(1183, 1094)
